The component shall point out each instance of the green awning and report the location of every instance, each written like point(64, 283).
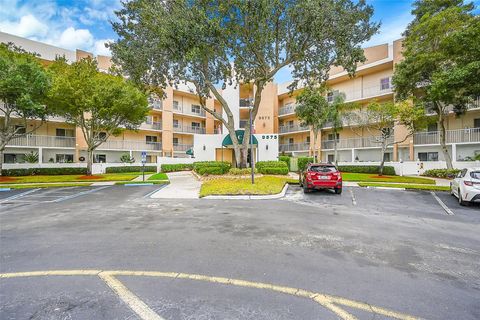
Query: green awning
point(189, 152)
point(227, 141)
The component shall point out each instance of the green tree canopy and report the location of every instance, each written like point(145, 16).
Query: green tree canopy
point(24, 84)
point(99, 104)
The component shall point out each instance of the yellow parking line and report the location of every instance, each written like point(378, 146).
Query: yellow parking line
point(144, 312)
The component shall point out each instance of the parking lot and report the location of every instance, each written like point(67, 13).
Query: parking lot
point(114, 253)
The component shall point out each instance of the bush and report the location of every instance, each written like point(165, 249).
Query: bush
point(441, 173)
point(387, 170)
point(241, 172)
point(130, 169)
point(274, 170)
point(177, 167)
point(43, 171)
point(303, 162)
point(211, 167)
point(272, 167)
point(285, 159)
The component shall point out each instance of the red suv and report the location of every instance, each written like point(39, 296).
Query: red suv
point(321, 176)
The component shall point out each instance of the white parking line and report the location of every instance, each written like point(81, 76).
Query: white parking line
point(75, 195)
point(354, 201)
point(18, 195)
point(443, 205)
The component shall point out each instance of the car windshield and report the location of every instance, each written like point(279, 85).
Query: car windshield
point(475, 175)
point(322, 169)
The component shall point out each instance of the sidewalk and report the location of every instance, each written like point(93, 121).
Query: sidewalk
point(183, 185)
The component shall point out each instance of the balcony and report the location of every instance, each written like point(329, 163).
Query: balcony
point(197, 112)
point(155, 104)
point(181, 147)
point(288, 109)
point(471, 135)
point(130, 145)
point(246, 103)
point(353, 143)
point(42, 141)
point(369, 90)
point(294, 147)
point(188, 129)
point(293, 128)
point(151, 125)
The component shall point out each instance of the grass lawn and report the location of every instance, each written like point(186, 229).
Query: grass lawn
point(243, 186)
point(406, 186)
point(69, 178)
point(368, 177)
point(159, 176)
point(47, 185)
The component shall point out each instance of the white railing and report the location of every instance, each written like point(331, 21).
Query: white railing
point(188, 129)
point(151, 125)
point(354, 143)
point(43, 141)
point(294, 147)
point(155, 104)
point(178, 108)
point(288, 109)
point(130, 145)
point(368, 90)
point(293, 128)
point(451, 136)
point(181, 147)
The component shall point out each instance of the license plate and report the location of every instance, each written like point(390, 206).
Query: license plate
point(324, 177)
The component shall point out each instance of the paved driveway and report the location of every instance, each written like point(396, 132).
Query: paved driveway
point(183, 185)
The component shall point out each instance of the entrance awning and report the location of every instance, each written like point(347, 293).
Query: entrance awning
point(227, 141)
point(189, 152)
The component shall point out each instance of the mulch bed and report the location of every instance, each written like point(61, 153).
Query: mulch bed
point(7, 179)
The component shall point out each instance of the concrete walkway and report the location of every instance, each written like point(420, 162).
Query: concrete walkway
point(140, 177)
point(183, 185)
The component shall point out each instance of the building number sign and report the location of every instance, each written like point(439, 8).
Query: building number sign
point(272, 136)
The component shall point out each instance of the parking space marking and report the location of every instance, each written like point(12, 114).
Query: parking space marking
point(441, 203)
point(329, 302)
point(80, 194)
point(18, 195)
point(354, 201)
point(150, 193)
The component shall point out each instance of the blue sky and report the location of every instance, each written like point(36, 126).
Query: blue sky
point(84, 24)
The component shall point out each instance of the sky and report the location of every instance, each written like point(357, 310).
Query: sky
point(85, 24)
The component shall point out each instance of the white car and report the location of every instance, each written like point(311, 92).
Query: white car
point(466, 186)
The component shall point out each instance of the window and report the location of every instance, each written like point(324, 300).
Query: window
point(331, 95)
point(432, 127)
point(290, 140)
point(384, 83)
point(331, 136)
point(195, 124)
point(428, 156)
point(64, 158)
point(331, 158)
point(476, 123)
point(13, 158)
point(175, 141)
point(387, 157)
point(101, 135)
point(243, 123)
point(176, 106)
point(175, 123)
point(290, 123)
point(308, 139)
point(195, 108)
point(323, 168)
point(64, 132)
point(100, 158)
point(150, 139)
point(475, 175)
point(20, 129)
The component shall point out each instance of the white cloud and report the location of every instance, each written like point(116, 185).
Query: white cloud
point(72, 38)
point(390, 31)
point(27, 26)
point(100, 49)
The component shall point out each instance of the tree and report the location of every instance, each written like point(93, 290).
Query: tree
point(313, 110)
point(336, 109)
point(442, 60)
point(212, 42)
point(99, 104)
point(23, 87)
point(380, 119)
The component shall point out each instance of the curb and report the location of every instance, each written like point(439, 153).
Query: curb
point(250, 197)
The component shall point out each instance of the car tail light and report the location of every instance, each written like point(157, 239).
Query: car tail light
point(468, 183)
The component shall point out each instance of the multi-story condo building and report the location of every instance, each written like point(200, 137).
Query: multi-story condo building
point(177, 126)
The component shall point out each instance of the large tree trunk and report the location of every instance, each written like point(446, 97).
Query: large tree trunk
point(443, 141)
point(382, 162)
point(1, 161)
point(335, 151)
point(89, 161)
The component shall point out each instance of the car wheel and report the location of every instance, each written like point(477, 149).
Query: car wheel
point(338, 190)
point(306, 190)
point(460, 200)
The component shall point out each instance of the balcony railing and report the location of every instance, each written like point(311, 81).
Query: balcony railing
point(246, 103)
point(451, 136)
point(354, 143)
point(293, 128)
point(151, 125)
point(187, 129)
point(155, 104)
point(288, 109)
point(188, 110)
point(130, 145)
point(43, 141)
point(294, 147)
point(181, 147)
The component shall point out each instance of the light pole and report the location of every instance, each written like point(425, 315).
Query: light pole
point(252, 161)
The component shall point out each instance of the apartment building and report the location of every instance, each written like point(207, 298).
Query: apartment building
point(178, 127)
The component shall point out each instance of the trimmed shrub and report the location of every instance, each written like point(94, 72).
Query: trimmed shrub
point(441, 173)
point(387, 170)
point(285, 159)
point(241, 172)
point(130, 169)
point(177, 167)
point(272, 167)
point(211, 167)
point(43, 171)
point(303, 162)
point(274, 170)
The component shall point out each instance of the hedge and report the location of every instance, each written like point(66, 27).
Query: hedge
point(211, 167)
point(43, 171)
point(177, 167)
point(274, 170)
point(272, 167)
point(130, 169)
point(441, 173)
point(303, 162)
point(285, 159)
point(241, 172)
point(387, 170)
